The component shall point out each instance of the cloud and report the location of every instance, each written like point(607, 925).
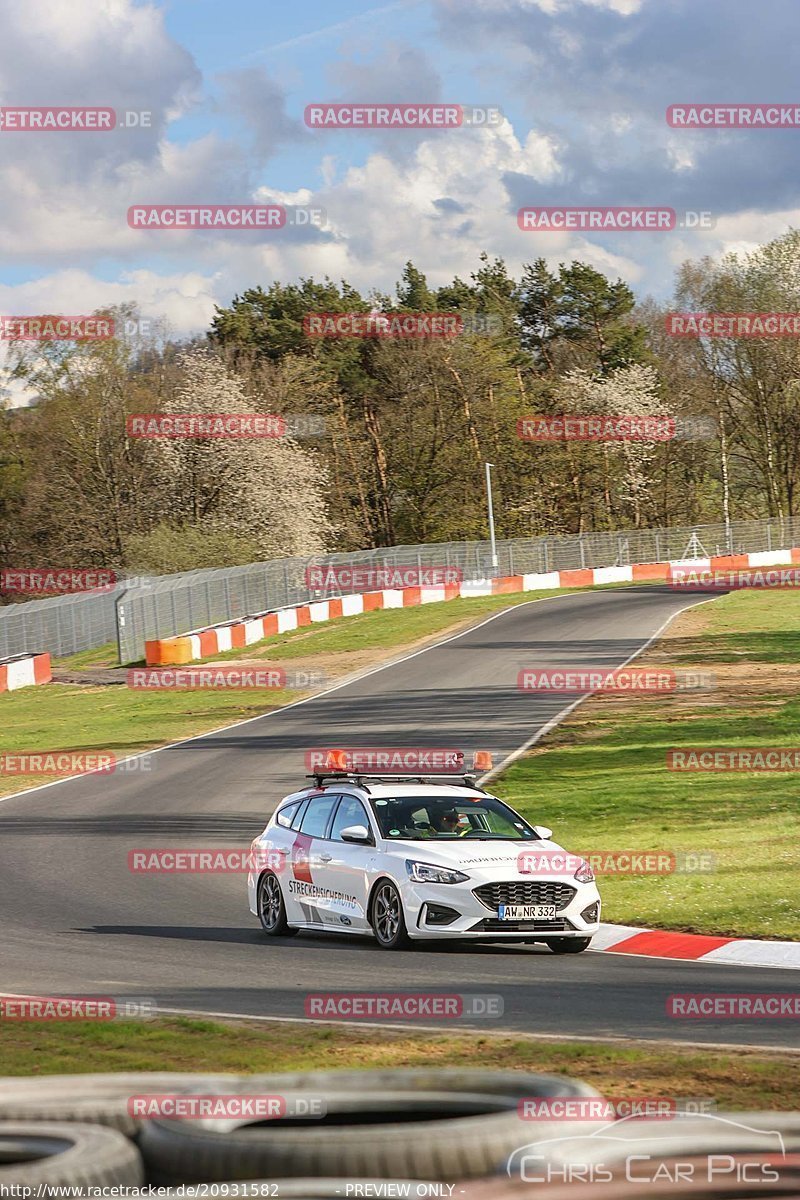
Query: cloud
point(584, 84)
point(261, 104)
point(181, 305)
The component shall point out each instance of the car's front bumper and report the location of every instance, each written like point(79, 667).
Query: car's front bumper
point(455, 911)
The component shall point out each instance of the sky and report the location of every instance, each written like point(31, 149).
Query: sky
point(582, 87)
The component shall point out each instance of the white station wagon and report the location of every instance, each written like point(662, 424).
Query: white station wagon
point(409, 859)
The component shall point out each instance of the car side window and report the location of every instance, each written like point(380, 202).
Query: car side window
point(316, 817)
point(350, 812)
point(286, 814)
point(298, 816)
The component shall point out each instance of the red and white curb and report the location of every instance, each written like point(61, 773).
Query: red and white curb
point(24, 670)
point(696, 947)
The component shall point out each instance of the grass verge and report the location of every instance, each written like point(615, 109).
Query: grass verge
point(746, 1079)
point(601, 780)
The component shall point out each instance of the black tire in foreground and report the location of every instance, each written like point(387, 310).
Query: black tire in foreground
point(66, 1153)
point(444, 1124)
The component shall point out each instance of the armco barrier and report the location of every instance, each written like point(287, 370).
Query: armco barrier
point(205, 643)
point(24, 670)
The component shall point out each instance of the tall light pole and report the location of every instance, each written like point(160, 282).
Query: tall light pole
point(492, 538)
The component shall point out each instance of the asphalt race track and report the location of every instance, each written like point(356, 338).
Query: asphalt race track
point(76, 921)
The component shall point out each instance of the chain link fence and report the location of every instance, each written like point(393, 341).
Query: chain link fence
point(141, 609)
point(60, 624)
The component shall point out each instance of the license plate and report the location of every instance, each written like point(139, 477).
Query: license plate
point(526, 912)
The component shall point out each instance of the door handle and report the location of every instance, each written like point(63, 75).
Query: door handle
point(326, 858)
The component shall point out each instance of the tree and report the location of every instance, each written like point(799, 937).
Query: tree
point(268, 491)
point(754, 381)
point(578, 319)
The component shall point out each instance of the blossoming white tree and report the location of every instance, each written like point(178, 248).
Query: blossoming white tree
point(269, 492)
point(631, 391)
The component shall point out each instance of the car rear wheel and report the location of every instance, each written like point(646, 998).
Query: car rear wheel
point(569, 945)
point(271, 907)
point(388, 919)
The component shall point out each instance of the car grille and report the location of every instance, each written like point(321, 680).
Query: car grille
point(535, 891)
point(490, 925)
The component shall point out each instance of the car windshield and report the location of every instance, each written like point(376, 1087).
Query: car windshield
point(447, 818)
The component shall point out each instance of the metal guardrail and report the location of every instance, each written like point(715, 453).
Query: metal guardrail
point(138, 610)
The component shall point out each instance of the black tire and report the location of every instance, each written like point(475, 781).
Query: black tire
point(461, 1146)
point(387, 918)
point(271, 907)
point(61, 1153)
point(395, 1134)
point(569, 945)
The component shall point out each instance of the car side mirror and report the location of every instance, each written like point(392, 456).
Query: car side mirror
point(543, 832)
point(356, 833)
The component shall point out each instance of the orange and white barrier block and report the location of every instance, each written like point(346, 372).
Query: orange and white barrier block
point(24, 670)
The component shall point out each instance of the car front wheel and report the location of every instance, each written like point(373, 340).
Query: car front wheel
point(388, 919)
point(271, 908)
point(569, 945)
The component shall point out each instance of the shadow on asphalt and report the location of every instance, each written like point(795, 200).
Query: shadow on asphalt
point(329, 942)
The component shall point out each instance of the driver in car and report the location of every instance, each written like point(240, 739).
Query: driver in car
point(447, 822)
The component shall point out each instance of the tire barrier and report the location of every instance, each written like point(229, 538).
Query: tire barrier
point(402, 1127)
point(445, 1136)
point(379, 1121)
point(446, 1124)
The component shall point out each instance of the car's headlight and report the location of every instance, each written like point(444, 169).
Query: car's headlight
point(428, 873)
point(584, 873)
